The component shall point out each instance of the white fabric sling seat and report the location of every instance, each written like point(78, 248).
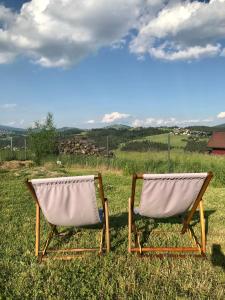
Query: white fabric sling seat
point(167, 195)
point(70, 201)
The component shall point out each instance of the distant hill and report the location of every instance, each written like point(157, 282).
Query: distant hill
point(109, 130)
point(117, 126)
point(22, 130)
point(220, 126)
point(66, 132)
point(12, 129)
point(200, 128)
point(68, 128)
point(208, 129)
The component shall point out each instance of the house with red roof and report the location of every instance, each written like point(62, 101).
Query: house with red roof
point(217, 143)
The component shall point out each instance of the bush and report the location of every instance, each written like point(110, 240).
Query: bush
point(144, 146)
point(196, 146)
point(42, 139)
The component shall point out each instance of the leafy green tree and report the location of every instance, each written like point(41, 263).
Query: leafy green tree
point(196, 146)
point(42, 138)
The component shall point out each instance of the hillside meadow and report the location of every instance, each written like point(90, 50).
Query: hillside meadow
point(118, 275)
point(153, 162)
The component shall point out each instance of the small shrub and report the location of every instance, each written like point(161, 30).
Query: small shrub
point(196, 146)
point(43, 139)
point(144, 146)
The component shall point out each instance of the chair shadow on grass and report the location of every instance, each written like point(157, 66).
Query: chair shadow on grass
point(64, 236)
point(217, 256)
point(120, 221)
point(148, 225)
point(117, 223)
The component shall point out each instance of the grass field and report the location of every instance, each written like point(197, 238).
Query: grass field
point(176, 141)
point(118, 275)
point(154, 162)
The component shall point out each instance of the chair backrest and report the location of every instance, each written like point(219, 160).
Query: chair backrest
point(166, 195)
point(67, 201)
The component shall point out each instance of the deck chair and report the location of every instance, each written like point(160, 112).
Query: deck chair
point(69, 201)
point(167, 195)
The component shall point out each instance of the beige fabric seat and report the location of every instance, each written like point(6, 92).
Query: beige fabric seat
point(167, 195)
point(70, 201)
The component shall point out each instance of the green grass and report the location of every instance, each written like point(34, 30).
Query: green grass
point(118, 275)
point(7, 154)
point(153, 162)
point(177, 141)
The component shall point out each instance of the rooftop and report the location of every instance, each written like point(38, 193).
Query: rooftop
point(217, 140)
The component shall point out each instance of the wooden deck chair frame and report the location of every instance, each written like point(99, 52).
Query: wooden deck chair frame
point(200, 247)
point(105, 232)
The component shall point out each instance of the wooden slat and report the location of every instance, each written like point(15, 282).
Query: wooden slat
point(202, 222)
point(72, 250)
point(129, 225)
point(101, 191)
point(168, 249)
point(37, 229)
point(107, 232)
point(171, 255)
point(196, 203)
point(68, 257)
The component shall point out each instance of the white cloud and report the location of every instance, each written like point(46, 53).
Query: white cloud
point(182, 30)
point(155, 122)
point(60, 33)
point(189, 53)
point(8, 105)
point(221, 115)
point(91, 121)
point(114, 116)
point(10, 123)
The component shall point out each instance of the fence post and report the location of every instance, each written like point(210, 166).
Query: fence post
point(11, 146)
point(11, 143)
point(169, 164)
point(107, 150)
point(107, 145)
point(25, 148)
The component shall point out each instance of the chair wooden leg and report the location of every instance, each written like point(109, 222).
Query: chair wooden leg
point(202, 222)
point(136, 234)
point(129, 225)
point(139, 243)
point(194, 238)
point(107, 227)
point(102, 240)
point(50, 236)
point(37, 242)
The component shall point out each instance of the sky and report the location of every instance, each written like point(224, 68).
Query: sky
point(95, 63)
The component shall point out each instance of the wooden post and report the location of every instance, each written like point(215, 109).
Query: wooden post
point(101, 191)
point(11, 144)
point(25, 148)
point(37, 244)
point(107, 145)
point(196, 203)
point(169, 165)
point(107, 226)
point(202, 222)
point(129, 225)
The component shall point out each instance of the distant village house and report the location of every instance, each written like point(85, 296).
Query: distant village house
point(217, 143)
